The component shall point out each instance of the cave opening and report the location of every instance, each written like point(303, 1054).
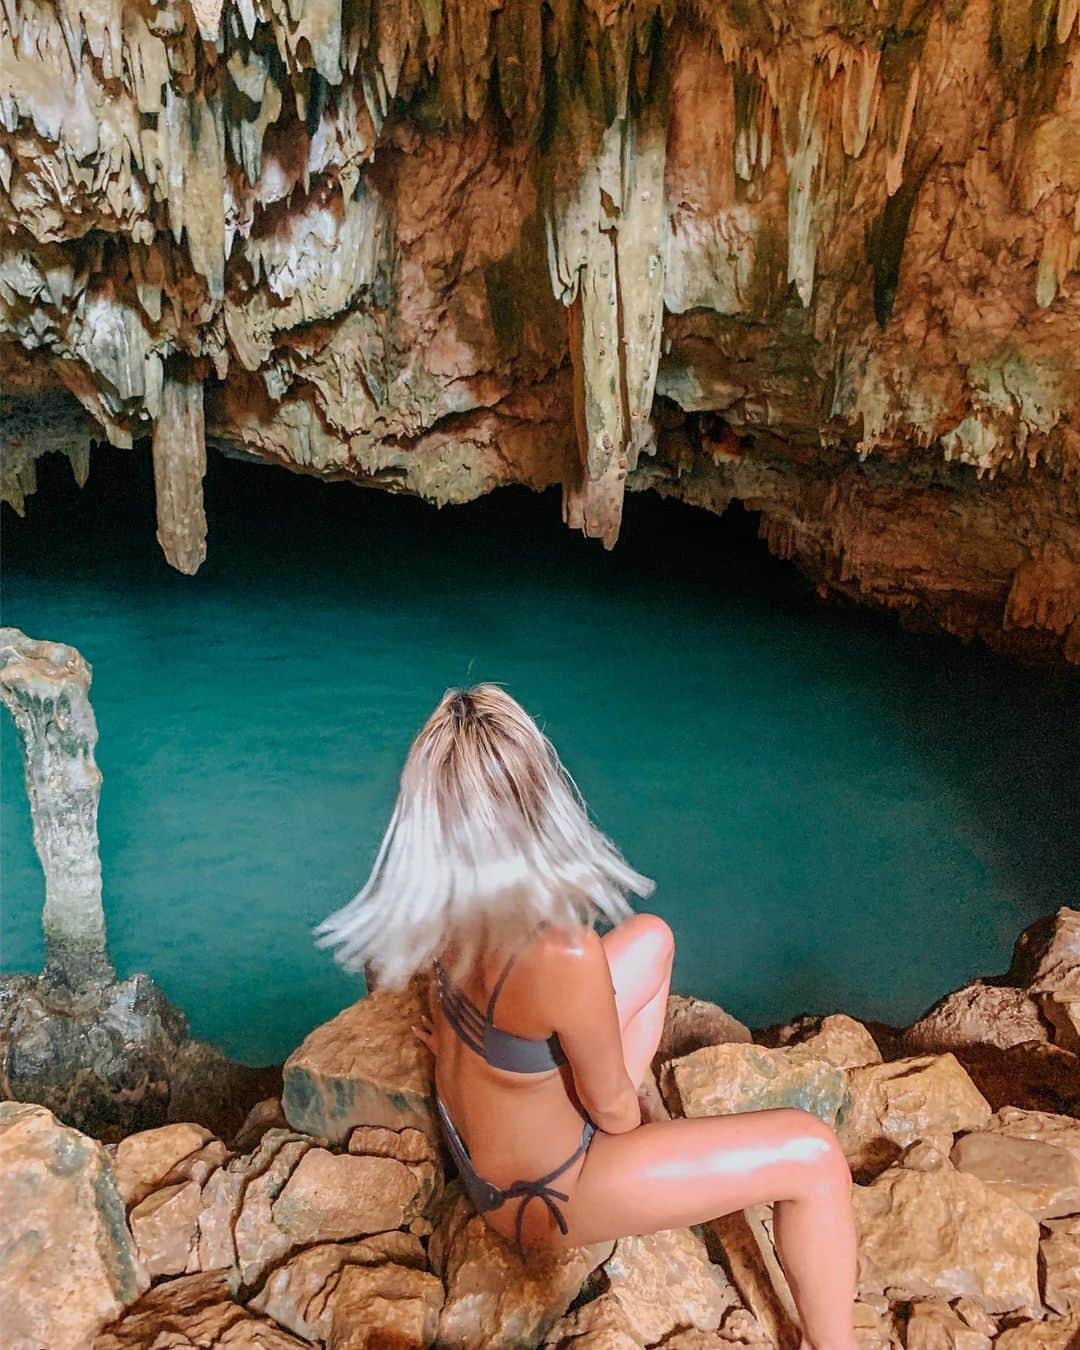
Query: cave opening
point(801, 779)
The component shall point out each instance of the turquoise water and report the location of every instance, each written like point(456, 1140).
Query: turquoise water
point(837, 814)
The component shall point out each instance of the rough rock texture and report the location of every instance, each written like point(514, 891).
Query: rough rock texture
point(943, 1233)
point(818, 258)
point(196, 1311)
point(67, 1261)
point(664, 1282)
point(978, 1014)
point(492, 1298)
point(718, 1079)
point(1041, 1177)
point(363, 1068)
point(344, 1196)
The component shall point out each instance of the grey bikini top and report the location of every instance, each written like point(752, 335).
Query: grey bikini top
point(501, 1049)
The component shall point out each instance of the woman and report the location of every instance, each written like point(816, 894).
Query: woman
point(491, 875)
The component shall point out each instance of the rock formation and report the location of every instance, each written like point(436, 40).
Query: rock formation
point(821, 259)
point(105, 1054)
point(968, 1218)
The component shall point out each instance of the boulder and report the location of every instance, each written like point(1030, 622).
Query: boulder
point(1041, 1177)
point(837, 1039)
point(724, 1079)
point(263, 1116)
point(1059, 1333)
point(143, 1160)
point(944, 1234)
point(165, 1227)
point(364, 1067)
point(691, 1023)
point(195, 1310)
point(375, 1307)
point(1047, 1126)
point(493, 1299)
point(933, 1325)
point(334, 1196)
point(1047, 959)
point(259, 1240)
point(891, 1105)
point(978, 1014)
point(68, 1264)
point(299, 1294)
point(1060, 1255)
point(665, 1281)
point(407, 1146)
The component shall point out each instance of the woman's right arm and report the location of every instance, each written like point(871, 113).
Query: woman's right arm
point(582, 1003)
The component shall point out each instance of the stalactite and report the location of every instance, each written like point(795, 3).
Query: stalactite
point(179, 450)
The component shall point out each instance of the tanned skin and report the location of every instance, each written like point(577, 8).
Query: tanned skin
point(606, 997)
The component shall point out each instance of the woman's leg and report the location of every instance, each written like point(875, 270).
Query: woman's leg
point(639, 953)
point(670, 1174)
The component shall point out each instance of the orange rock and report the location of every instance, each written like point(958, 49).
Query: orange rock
point(165, 1227)
point(385, 1305)
point(334, 1196)
point(143, 1160)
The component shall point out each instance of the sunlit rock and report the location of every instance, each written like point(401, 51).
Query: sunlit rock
point(1059, 1255)
point(1041, 1177)
point(334, 1196)
point(665, 1282)
point(142, 1161)
point(718, 1079)
point(978, 1014)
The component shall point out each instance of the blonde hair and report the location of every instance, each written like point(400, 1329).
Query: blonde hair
point(489, 838)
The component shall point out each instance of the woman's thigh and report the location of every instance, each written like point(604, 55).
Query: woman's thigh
point(639, 953)
point(673, 1173)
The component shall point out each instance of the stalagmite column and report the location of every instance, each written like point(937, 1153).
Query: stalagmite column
point(46, 686)
point(179, 469)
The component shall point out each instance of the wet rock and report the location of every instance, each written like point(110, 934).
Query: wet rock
point(195, 1310)
point(720, 1079)
point(947, 1235)
point(299, 1294)
point(364, 1067)
point(933, 1325)
point(1059, 1252)
point(1041, 1177)
point(143, 1160)
point(67, 1262)
point(334, 1196)
point(492, 1299)
point(165, 1227)
point(384, 1305)
point(978, 1014)
point(665, 1282)
point(891, 1105)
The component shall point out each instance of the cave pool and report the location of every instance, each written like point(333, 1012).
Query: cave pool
point(838, 814)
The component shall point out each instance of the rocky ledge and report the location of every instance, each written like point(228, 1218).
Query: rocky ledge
point(332, 1219)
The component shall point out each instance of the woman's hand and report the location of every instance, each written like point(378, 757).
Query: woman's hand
point(425, 1032)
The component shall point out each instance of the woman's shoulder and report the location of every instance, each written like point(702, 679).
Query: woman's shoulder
point(572, 948)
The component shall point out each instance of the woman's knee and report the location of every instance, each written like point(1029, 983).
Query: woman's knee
point(815, 1145)
point(656, 934)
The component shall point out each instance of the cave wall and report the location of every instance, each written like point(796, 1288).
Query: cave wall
point(820, 257)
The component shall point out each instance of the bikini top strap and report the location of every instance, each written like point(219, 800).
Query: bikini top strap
point(498, 989)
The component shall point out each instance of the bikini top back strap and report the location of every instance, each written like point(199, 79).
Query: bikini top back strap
point(498, 989)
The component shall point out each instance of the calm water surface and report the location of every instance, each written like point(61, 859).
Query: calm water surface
point(837, 814)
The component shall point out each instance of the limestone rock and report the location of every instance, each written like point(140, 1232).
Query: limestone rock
point(67, 1261)
point(493, 1299)
point(407, 1146)
point(1060, 1255)
point(720, 1079)
point(299, 1294)
point(837, 1039)
point(891, 1105)
point(334, 1196)
point(384, 1305)
point(143, 1160)
point(978, 1014)
point(691, 1023)
point(665, 1282)
point(947, 1235)
point(1039, 1176)
point(165, 1227)
point(364, 1067)
point(1034, 1076)
point(195, 1310)
point(1059, 1333)
point(600, 1324)
point(1055, 980)
point(1046, 1126)
point(264, 1115)
point(933, 1325)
